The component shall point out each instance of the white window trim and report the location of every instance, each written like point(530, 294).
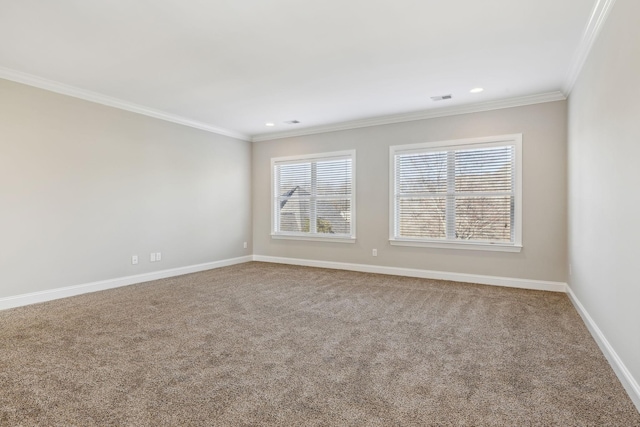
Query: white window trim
point(516, 246)
point(309, 236)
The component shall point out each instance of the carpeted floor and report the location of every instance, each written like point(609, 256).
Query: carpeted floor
point(262, 344)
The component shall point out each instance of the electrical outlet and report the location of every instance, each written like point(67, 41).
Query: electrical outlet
point(134, 259)
point(374, 252)
point(245, 245)
point(158, 256)
point(152, 258)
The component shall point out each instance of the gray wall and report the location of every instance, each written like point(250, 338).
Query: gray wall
point(604, 171)
point(544, 189)
point(84, 186)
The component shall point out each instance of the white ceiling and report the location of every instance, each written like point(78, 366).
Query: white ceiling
point(232, 65)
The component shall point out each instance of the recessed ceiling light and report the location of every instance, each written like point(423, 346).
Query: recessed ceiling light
point(476, 90)
point(269, 124)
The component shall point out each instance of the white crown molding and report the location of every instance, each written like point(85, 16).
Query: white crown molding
point(624, 375)
point(510, 282)
point(419, 115)
point(64, 89)
point(69, 291)
point(598, 17)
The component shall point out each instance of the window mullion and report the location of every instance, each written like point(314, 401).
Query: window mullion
point(512, 217)
point(451, 198)
point(396, 191)
point(276, 204)
point(313, 205)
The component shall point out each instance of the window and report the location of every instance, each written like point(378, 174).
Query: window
point(314, 197)
point(463, 194)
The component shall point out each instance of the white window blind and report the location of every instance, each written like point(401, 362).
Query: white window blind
point(313, 196)
point(457, 192)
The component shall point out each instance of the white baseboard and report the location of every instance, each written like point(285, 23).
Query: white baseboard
point(539, 285)
point(628, 382)
point(68, 291)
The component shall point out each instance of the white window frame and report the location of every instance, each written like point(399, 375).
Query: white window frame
point(469, 143)
point(321, 237)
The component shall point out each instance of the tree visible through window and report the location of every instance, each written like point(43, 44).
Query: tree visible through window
point(464, 191)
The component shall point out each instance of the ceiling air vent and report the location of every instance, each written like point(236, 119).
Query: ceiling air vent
point(292, 122)
point(441, 97)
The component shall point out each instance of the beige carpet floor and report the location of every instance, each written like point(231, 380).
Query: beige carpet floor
point(260, 344)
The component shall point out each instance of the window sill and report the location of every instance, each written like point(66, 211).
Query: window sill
point(312, 238)
point(494, 247)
